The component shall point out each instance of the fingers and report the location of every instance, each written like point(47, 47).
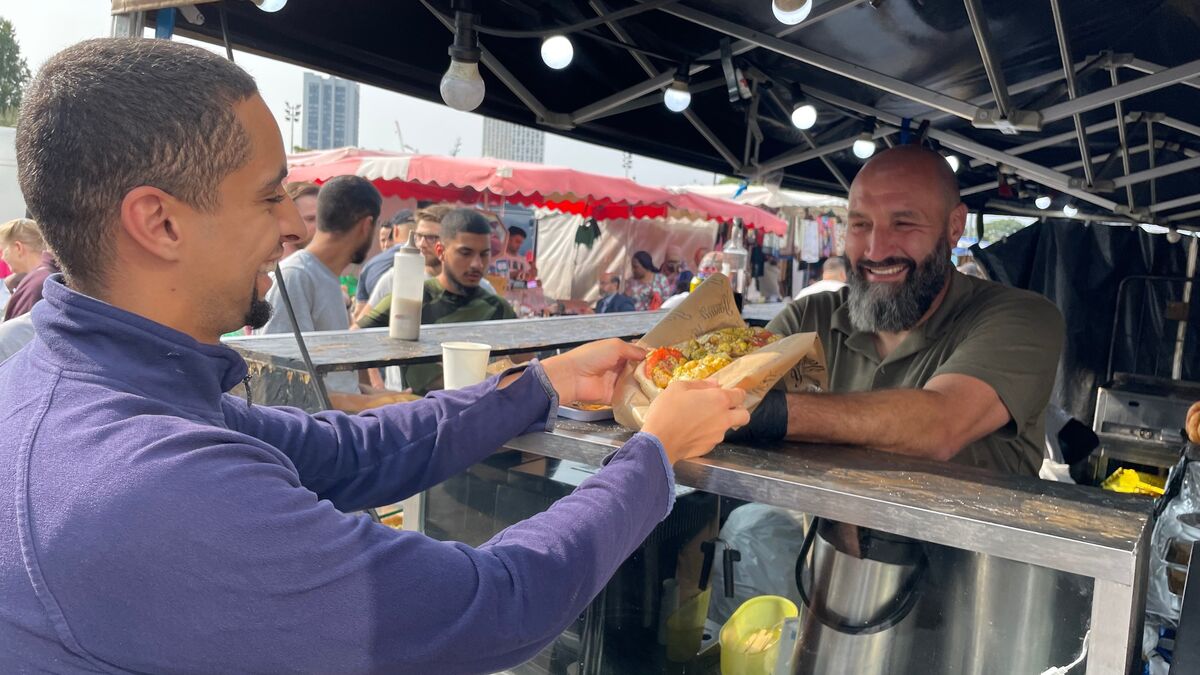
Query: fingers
point(738, 417)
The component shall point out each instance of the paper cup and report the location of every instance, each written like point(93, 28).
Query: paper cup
point(464, 363)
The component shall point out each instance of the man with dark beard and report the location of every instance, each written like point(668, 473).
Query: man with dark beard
point(922, 360)
point(347, 209)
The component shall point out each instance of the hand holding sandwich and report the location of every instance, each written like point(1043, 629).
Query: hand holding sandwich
point(691, 417)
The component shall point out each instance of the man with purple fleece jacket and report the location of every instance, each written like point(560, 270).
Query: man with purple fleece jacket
point(152, 522)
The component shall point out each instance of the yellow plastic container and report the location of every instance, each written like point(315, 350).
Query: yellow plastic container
point(750, 638)
point(1130, 481)
point(685, 628)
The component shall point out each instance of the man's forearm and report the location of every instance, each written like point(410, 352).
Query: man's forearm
point(906, 422)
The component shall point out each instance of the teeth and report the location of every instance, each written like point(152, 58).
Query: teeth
point(887, 271)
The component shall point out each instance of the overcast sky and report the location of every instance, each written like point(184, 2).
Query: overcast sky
point(46, 26)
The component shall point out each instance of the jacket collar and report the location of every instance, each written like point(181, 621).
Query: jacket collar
point(82, 334)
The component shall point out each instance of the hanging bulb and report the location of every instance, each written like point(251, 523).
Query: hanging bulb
point(864, 146)
point(954, 163)
point(791, 12)
point(557, 51)
point(462, 88)
point(1173, 235)
point(804, 116)
point(1043, 202)
point(1070, 210)
point(676, 97)
point(270, 5)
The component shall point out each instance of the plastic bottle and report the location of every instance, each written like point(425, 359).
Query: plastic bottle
point(408, 285)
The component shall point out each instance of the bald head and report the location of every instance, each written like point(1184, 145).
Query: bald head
point(918, 165)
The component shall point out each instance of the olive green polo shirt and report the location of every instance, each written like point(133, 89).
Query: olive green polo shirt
point(1009, 338)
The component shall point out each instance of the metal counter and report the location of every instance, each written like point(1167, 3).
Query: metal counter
point(1074, 529)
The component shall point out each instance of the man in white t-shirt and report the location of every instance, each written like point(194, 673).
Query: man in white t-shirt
point(833, 278)
point(347, 209)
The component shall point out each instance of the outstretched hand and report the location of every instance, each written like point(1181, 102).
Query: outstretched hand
point(588, 373)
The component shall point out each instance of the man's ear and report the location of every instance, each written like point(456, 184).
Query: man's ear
point(439, 249)
point(958, 223)
point(147, 218)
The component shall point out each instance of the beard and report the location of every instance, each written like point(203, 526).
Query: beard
point(893, 308)
point(361, 254)
point(258, 313)
point(462, 287)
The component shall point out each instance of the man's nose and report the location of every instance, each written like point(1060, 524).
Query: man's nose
point(881, 243)
point(291, 225)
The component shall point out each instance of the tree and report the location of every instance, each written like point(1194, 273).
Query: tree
point(14, 72)
point(995, 230)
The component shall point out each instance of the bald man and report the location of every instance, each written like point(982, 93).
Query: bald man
point(923, 360)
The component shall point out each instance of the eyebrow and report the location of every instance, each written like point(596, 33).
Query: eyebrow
point(273, 184)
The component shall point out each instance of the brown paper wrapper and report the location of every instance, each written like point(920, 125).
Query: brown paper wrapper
point(798, 361)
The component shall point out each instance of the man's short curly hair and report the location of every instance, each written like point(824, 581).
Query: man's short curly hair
point(106, 116)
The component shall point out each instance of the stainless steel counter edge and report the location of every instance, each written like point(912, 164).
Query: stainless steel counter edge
point(721, 473)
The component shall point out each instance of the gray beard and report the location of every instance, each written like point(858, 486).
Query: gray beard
point(880, 308)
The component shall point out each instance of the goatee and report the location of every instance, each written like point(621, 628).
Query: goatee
point(258, 313)
point(893, 308)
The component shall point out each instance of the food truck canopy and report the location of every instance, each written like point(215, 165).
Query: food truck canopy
point(987, 75)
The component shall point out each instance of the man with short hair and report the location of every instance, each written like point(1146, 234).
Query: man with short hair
point(374, 269)
point(923, 360)
point(25, 252)
point(611, 298)
point(510, 264)
point(427, 235)
point(347, 208)
point(454, 296)
point(833, 278)
point(152, 522)
point(304, 195)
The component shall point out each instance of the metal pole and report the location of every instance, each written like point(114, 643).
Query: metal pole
point(1154, 173)
point(1059, 138)
point(1175, 203)
point(1064, 49)
point(1181, 334)
point(130, 24)
point(1153, 183)
point(991, 65)
point(1142, 85)
point(1123, 138)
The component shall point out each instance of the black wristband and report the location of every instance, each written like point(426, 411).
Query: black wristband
point(768, 422)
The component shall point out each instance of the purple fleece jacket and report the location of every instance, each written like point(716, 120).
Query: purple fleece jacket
point(152, 523)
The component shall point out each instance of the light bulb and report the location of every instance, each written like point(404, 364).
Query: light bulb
point(1173, 235)
point(1069, 210)
point(864, 147)
point(270, 5)
point(677, 97)
point(954, 163)
point(462, 87)
point(791, 12)
point(557, 51)
point(804, 116)
point(1043, 202)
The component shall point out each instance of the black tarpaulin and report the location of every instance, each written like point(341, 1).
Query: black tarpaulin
point(1081, 268)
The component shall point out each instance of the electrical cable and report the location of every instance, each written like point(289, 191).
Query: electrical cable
point(225, 32)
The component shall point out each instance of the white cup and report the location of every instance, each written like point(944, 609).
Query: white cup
point(464, 363)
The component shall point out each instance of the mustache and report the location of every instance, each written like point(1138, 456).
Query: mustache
point(886, 262)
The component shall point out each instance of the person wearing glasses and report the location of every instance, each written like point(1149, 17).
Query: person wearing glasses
point(673, 265)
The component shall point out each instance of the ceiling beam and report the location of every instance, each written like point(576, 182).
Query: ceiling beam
point(597, 109)
point(1142, 85)
point(891, 85)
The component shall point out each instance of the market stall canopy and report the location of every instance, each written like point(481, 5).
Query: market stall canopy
point(1116, 131)
point(470, 180)
point(766, 197)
